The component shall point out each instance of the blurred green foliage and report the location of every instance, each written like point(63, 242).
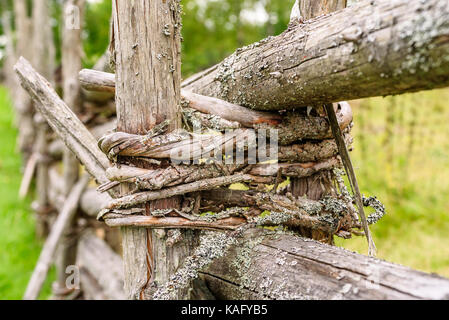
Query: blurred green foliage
point(401, 154)
point(19, 249)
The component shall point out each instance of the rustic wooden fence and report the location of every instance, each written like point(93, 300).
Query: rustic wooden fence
point(168, 248)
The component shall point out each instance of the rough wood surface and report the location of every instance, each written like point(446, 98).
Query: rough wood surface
point(174, 222)
point(186, 147)
point(263, 266)
point(59, 227)
point(147, 41)
point(207, 184)
point(103, 264)
point(372, 48)
point(293, 126)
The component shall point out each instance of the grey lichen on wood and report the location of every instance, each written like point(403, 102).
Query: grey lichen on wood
point(381, 49)
point(280, 266)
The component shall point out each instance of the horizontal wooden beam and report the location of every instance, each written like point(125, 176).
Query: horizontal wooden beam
point(59, 227)
point(278, 266)
point(104, 265)
point(373, 48)
point(292, 126)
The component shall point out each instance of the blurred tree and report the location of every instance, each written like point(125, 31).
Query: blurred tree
point(212, 29)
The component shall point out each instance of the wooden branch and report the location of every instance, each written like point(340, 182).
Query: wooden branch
point(56, 148)
point(347, 163)
point(173, 222)
point(63, 121)
point(183, 146)
point(292, 126)
point(291, 212)
point(280, 266)
point(373, 48)
point(139, 198)
point(156, 179)
point(105, 266)
point(28, 175)
point(137, 39)
point(295, 169)
point(46, 257)
point(103, 64)
point(92, 202)
point(98, 81)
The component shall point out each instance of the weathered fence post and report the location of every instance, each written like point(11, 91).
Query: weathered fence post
point(316, 186)
point(148, 77)
point(71, 65)
point(24, 111)
point(43, 58)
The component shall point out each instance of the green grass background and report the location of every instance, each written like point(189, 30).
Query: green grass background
point(400, 154)
point(19, 249)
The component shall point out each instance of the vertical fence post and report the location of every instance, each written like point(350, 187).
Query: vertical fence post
point(147, 37)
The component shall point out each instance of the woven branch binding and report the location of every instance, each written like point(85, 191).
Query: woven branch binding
point(192, 164)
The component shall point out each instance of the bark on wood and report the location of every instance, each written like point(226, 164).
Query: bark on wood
point(316, 186)
point(143, 197)
point(313, 8)
point(185, 147)
point(173, 222)
point(105, 266)
point(156, 179)
point(372, 48)
point(263, 266)
point(292, 127)
point(28, 175)
point(46, 257)
point(63, 121)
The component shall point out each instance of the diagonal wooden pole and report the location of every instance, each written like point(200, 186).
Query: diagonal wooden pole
point(344, 154)
point(51, 244)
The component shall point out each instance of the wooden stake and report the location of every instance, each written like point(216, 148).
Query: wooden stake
point(46, 257)
point(28, 175)
point(344, 154)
